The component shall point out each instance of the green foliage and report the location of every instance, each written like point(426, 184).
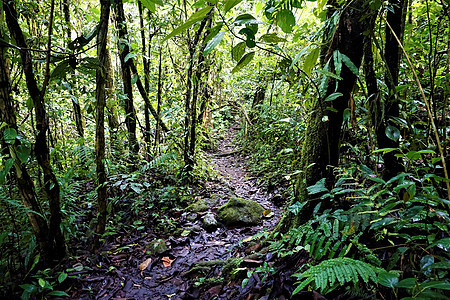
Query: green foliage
point(331, 273)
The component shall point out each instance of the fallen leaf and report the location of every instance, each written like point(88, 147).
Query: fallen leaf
point(268, 213)
point(145, 264)
point(248, 239)
point(167, 262)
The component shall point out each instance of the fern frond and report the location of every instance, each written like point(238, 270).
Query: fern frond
point(342, 269)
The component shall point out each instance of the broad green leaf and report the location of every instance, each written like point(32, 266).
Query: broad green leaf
point(23, 153)
point(128, 56)
point(333, 96)
point(388, 279)
point(9, 135)
point(271, 38)
point(310, 61)
point(213, 32)
point(229, 4)
point(213, 43)
point(286, 20)
point(58, 294)
point(243, 62)
point(319, 187)
point(197, 16)
point(61, 70)
point(41, 282)
point(245, 19)
point(250, 41)
point(62, 277)
point(392, 133)
point(30, 288)
point(328, 74)
point(347, 114)
point(408, 283)
point(150, 5)
point(349, 64)
point(238, 51)
point(134, 79)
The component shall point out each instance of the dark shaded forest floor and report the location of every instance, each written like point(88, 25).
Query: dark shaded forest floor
point(192, 266)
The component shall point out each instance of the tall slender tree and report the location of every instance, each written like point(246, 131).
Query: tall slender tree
point(41, 150)
point(100, 96)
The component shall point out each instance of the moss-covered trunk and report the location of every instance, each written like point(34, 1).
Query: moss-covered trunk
point(320, 151)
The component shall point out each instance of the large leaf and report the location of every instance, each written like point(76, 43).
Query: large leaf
point(349, 64)
point(213, 32)
point(243, 62)
point(286, 20)
point(23, 153)
point(150, 5)
point(197, 16)
point(250, 41)
point(61, 70)
point(9, 134)
point(213, 43)
point(392, 133)
point(8, 165)
point(271, 38)
point(238, 51)
point(245, 19)
point(310, 61)
point(229, 4)
point(319, 187)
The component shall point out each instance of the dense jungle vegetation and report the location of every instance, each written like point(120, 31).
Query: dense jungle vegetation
point(111, 112)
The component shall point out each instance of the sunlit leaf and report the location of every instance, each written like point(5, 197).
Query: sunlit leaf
point(238, 51)
point(197, 16)
point(245, 60)
point(286, 20)
point(213, 43)
point(229, 4)
point(271, 38)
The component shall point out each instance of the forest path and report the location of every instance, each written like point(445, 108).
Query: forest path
point(167, 274)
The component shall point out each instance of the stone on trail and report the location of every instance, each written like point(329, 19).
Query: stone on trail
point(209, 221)
point(240, 211)
point(203, 204)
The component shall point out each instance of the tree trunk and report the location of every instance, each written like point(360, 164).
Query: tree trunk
point(158, 107)
point(24, 182)
point(392, 54)
point(100, 96)
point(146, 71)
point(124, 50)
point(188, 105)
point(75, 104)
point(320, 151)
point(42, 152)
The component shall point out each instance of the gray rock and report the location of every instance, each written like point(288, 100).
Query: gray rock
point(209, 222)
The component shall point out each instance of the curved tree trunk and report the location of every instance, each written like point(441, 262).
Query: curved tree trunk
point(24, 182)
point(42, 152)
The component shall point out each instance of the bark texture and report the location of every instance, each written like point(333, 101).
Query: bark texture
point(42, 151)
point(320, 151)
point(100, 96)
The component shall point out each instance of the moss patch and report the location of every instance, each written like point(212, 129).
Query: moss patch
point(240, 211)
point(203, 204)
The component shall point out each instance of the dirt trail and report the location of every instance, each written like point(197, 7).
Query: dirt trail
point(126, 281)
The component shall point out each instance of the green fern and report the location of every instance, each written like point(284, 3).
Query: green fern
point(163, 159)
point(336, 272)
